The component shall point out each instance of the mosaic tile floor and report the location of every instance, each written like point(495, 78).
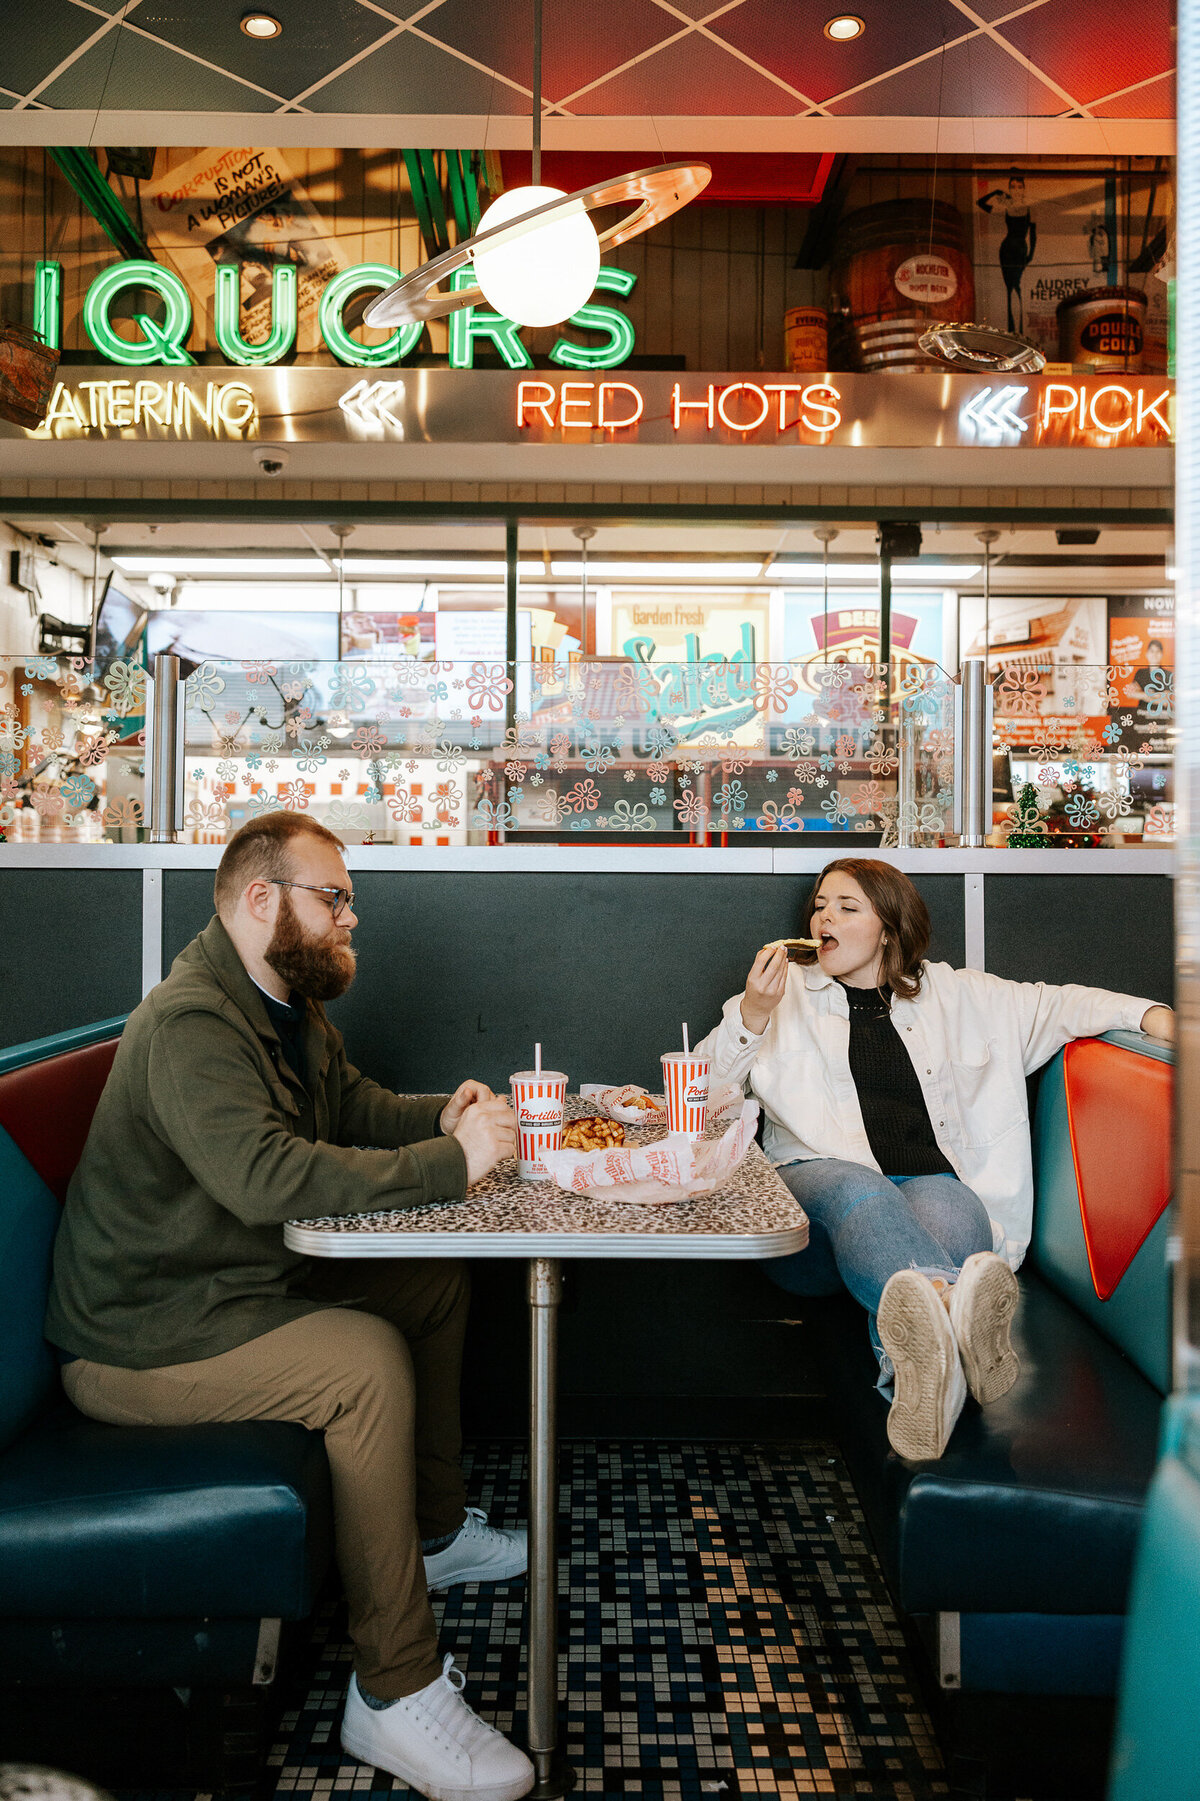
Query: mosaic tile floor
point(726, 1632)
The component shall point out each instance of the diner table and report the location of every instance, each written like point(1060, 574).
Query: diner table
point(752, 1215)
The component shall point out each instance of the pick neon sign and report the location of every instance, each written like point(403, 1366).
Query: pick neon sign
point(1110, 410)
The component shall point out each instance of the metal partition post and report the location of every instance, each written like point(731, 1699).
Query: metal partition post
point(1187, 694)
point(973, 722)
point(545, 1293)
point(164, 751)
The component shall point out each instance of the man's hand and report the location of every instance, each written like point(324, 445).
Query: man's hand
point(464, 1096)
point(1160, 1023)
point(487, 1133)
point(765, 987)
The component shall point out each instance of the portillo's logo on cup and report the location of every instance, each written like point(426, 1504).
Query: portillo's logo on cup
point(537, 1097)
point(685, 1083)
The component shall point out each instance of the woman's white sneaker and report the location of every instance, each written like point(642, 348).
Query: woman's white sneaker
point(915, 1329)
point(982, 1304)
point(436, 1743)
point(480, 1553)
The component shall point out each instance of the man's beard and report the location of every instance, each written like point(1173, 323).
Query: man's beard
point(314, 967)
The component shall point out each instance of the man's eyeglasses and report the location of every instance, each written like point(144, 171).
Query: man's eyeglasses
point(336, 899)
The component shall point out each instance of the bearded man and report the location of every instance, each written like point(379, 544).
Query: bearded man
point(231, 1108)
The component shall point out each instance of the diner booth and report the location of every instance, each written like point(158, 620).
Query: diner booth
point(591, 699)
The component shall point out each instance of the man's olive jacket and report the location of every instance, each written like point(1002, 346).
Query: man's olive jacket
point(203, 1144)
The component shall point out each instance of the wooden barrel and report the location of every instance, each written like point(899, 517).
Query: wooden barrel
point(900, 264)
point(806, 339)
point(27, 368)
point(1104, 328)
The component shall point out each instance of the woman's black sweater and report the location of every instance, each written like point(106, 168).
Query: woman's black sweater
point(899, 1130)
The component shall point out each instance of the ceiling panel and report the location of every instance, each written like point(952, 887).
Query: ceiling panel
point(579, 43)
point(692, 76)
point(125, 70)
point(1154, 100)
point(1094, 47)
point(41, 40)
point(747, 59)
point(410, 75)
point(978, 79)
point(787, 37)
point(316, 39)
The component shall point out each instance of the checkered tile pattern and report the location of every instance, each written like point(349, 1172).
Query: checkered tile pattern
point(725, 1632)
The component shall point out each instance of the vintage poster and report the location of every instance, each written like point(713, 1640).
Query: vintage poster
point(242, 206)
point(847, 630)
point(1141, 647)
point(379, 637)
point(1047, 657)
point(667, 630)
point(1040, 239)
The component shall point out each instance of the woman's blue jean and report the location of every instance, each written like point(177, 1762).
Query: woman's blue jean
point(863, 1227)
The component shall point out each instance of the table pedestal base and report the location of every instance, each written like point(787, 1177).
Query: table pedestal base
point(545, 1292)
point(554, 1777)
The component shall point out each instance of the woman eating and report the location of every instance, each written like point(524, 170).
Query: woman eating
point(895, 1110)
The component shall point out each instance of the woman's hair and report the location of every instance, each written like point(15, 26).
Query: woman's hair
point(905, 917)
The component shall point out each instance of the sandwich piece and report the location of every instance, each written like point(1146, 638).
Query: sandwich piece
point(793, 946)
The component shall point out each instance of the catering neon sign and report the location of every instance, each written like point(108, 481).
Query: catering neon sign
point(224, 409)
point(165, 340)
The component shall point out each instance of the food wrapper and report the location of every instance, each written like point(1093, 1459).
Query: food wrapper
point(613, 1103)
point(655, 1175)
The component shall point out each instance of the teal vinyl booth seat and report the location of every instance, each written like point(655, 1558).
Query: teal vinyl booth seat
point(1011, 1557)
point(1156, 1753)
point(131, 1558)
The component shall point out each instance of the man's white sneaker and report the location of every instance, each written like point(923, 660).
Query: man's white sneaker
point(982, 1304)
point(930, 1390)
point(480, 1553)
point(436, 1743)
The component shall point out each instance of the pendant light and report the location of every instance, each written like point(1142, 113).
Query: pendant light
point(536, 253)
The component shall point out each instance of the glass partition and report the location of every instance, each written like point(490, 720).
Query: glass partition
point(1083, 754)
point(412, 750)
point(72, 750)
point(477, 752)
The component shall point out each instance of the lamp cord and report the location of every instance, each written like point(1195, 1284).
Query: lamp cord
point(537, 94)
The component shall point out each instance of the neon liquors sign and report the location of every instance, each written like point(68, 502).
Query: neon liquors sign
point(163, 339)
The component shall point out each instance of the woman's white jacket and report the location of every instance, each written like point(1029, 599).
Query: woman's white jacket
point(972, 1037)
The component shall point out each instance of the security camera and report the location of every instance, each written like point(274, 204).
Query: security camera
point(271, 458)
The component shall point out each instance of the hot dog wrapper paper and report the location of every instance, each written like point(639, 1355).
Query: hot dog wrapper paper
point(613, 1102)
point(655, 1175)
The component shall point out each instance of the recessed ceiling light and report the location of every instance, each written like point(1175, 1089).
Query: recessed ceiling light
point(844, 27)
point(263, 25)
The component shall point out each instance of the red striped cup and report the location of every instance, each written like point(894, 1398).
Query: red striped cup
point(685, 1081)
point(537, 1098)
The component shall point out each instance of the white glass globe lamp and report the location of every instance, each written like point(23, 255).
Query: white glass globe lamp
point(549, 271)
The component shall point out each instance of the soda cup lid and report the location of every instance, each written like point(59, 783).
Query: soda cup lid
point(534, 1075)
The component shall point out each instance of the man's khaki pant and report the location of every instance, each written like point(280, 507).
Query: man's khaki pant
point(380, 1378)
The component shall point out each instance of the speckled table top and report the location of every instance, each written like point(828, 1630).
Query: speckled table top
point(752, 1216)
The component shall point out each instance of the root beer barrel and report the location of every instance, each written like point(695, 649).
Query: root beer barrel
point(894, 274)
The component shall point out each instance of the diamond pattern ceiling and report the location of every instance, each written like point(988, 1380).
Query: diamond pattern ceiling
point(1085, 59)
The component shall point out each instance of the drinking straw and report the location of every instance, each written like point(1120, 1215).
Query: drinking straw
point(686, 1046)
point(537, 1059)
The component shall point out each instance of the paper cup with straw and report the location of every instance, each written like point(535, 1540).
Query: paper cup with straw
point(685, 1084)
point(538, 1097)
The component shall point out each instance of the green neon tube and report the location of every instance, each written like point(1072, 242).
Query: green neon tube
point(227, 316)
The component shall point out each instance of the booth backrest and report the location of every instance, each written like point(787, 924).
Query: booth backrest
point(1102, 1154)
point(48, 1093)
